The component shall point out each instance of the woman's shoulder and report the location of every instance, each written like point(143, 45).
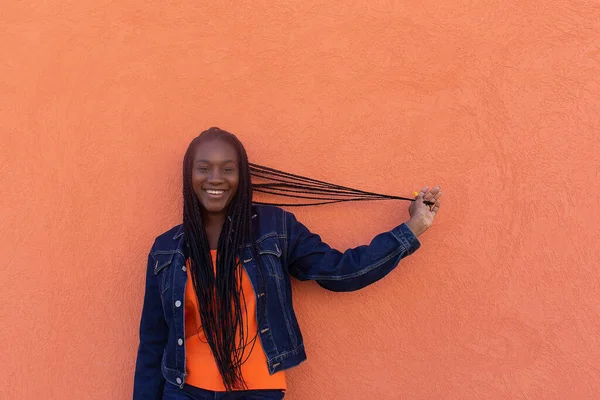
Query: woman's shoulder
point(271, 213)
point(169, 240)
point(270, 219)
point(172, 233)
point(264, 209)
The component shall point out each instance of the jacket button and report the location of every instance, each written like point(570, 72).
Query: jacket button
point(178, 380)
point(184, 268)
point(180, 342)
point(178, 303)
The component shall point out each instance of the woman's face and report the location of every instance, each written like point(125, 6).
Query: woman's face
point(215, 175)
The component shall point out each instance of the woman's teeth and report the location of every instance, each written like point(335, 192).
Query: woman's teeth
point(215, 192)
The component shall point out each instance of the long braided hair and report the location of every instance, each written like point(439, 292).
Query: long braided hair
point(307, 191)
point(216, 294)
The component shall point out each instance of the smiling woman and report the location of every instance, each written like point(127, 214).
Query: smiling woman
point(217, 319)
point(215, 179)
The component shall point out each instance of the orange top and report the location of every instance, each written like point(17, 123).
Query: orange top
point(201, 368)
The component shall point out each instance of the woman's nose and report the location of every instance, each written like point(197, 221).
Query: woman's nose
point(215, 176)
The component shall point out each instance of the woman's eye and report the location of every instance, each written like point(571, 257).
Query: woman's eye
point(202, 169)
point(228, 170)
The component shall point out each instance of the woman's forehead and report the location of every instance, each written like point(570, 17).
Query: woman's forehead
point(215, 150)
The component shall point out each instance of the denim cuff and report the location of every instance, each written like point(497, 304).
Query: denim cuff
point(407, 238)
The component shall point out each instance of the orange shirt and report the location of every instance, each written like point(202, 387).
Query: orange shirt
point(201, 368)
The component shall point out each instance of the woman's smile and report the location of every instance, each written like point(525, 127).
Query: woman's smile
point(216, 194)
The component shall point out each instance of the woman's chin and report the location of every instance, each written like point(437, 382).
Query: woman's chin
point(213, 208)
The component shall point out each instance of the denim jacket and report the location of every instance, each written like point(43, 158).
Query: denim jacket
point(285, 247)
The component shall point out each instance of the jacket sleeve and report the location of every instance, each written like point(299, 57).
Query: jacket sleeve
point(148, 380)
point(309, 258)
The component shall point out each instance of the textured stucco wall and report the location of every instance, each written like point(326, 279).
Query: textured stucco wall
point(497, 101)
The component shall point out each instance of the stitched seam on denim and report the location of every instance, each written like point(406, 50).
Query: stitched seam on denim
point(283, 356)
point(284, 310)
point(406, 244)
point(287, 317)
point(265, 237)
point(174, 316)
point(269, 235)
point(159, 268)
point(271, 252)
point(284, 230)
point(402, 240)
point(163, 278)
point(269, 333)
point(257, 310)
point(174, 371)
point(354, 274)
point(276, 252)
point(185, 278)
point(180, 232)
point(157, 252)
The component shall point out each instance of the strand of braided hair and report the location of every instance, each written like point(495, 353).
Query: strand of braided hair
point(310, 192)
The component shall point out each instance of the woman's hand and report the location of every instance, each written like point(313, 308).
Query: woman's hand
point(422, 215)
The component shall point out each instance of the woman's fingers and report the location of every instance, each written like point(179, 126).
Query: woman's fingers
point(432, 193)
point(430, 196)
point(436, 207)
point(423, 191)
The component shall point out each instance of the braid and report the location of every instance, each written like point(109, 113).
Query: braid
point(284, 184)
point(216, 294)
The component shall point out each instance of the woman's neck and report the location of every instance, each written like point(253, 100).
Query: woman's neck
point(213, 224)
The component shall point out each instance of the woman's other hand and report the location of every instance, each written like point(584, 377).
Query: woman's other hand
point(421, 214)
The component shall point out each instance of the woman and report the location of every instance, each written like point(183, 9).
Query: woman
point(217, 320)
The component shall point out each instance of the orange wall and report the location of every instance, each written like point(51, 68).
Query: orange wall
point(496, 101)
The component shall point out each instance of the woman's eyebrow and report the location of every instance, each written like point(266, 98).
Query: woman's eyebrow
point(208, 161)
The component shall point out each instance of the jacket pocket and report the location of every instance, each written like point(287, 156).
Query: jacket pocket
point(269, 251)
point(161, 270)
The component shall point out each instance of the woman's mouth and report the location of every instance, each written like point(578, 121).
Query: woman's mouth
point(215, 193)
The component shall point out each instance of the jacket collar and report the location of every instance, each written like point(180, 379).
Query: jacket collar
point(180, 231)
